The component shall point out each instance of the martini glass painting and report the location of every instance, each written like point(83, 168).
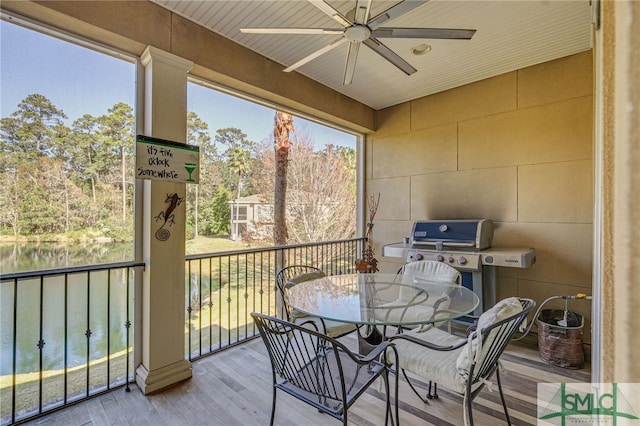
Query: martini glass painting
point(190, 167)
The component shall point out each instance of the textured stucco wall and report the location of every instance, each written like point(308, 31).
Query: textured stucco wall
point(516, 149)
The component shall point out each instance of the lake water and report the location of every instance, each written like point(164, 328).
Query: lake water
point(57, 309)
point(21, 257)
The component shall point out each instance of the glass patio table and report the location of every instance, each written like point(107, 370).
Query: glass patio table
point(375, 300)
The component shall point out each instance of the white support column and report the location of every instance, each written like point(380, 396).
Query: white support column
point(163, 306)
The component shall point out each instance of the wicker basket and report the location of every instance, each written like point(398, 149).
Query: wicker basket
point(560, 345)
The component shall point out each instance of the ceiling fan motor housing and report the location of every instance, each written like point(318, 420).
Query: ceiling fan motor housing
point(357, 33)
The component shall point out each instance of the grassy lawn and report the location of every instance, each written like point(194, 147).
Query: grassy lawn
point(200, 244)
point(209, 244)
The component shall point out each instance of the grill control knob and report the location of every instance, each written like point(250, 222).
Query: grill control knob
point(419, 256)
point(451, 259)
point(462, 260)
point(439, 257)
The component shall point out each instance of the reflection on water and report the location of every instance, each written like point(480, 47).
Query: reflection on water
point(30, 256)
point(88, 311)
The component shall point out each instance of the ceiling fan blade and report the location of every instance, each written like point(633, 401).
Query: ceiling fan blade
point(361, 14)
point(350, 67)
point(322, 31)
point(389, 55)
point(315, 54)
point(331, 12)
point(394, 11)
point(434, 33)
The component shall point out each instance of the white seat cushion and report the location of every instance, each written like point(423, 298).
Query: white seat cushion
point(502, 310)
point(433, 270)
point(437, 366)
point(304, 277)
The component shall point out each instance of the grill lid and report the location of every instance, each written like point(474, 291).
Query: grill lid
point(476, 234)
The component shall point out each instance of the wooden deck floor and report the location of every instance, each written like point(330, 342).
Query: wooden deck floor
point(234, 388)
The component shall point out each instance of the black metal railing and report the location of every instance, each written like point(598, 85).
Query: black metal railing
point(66, 336)
point(224, 288)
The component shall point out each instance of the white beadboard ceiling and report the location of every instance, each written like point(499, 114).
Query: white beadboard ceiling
point(511, 34)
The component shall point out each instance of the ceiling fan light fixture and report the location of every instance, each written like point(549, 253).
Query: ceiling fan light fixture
point(357, 33)
point(421, 49)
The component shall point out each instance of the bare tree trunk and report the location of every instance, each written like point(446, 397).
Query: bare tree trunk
point(280, 195)
point(93, 180)
point(123, 172)
point(66, 203)
point(282, 126)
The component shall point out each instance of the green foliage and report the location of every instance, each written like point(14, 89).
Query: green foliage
point(117, 230)
point(60, 180)
point(198, 134)
point(216, 214)
point(77, 182)
point(236, 159)
point(37, 123)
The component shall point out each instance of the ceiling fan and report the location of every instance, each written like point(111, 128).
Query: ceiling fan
point(360, 29)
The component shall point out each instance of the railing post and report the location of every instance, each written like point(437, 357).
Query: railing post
point(280, 263)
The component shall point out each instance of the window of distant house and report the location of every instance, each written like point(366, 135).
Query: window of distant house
point(240, 213)
point(237, 164)
point(66, 154)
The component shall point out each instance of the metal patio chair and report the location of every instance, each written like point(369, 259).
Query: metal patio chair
point(419, 274)
point(464, 365)
point(319, 370)
point(432, 268)
point(294, 274)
